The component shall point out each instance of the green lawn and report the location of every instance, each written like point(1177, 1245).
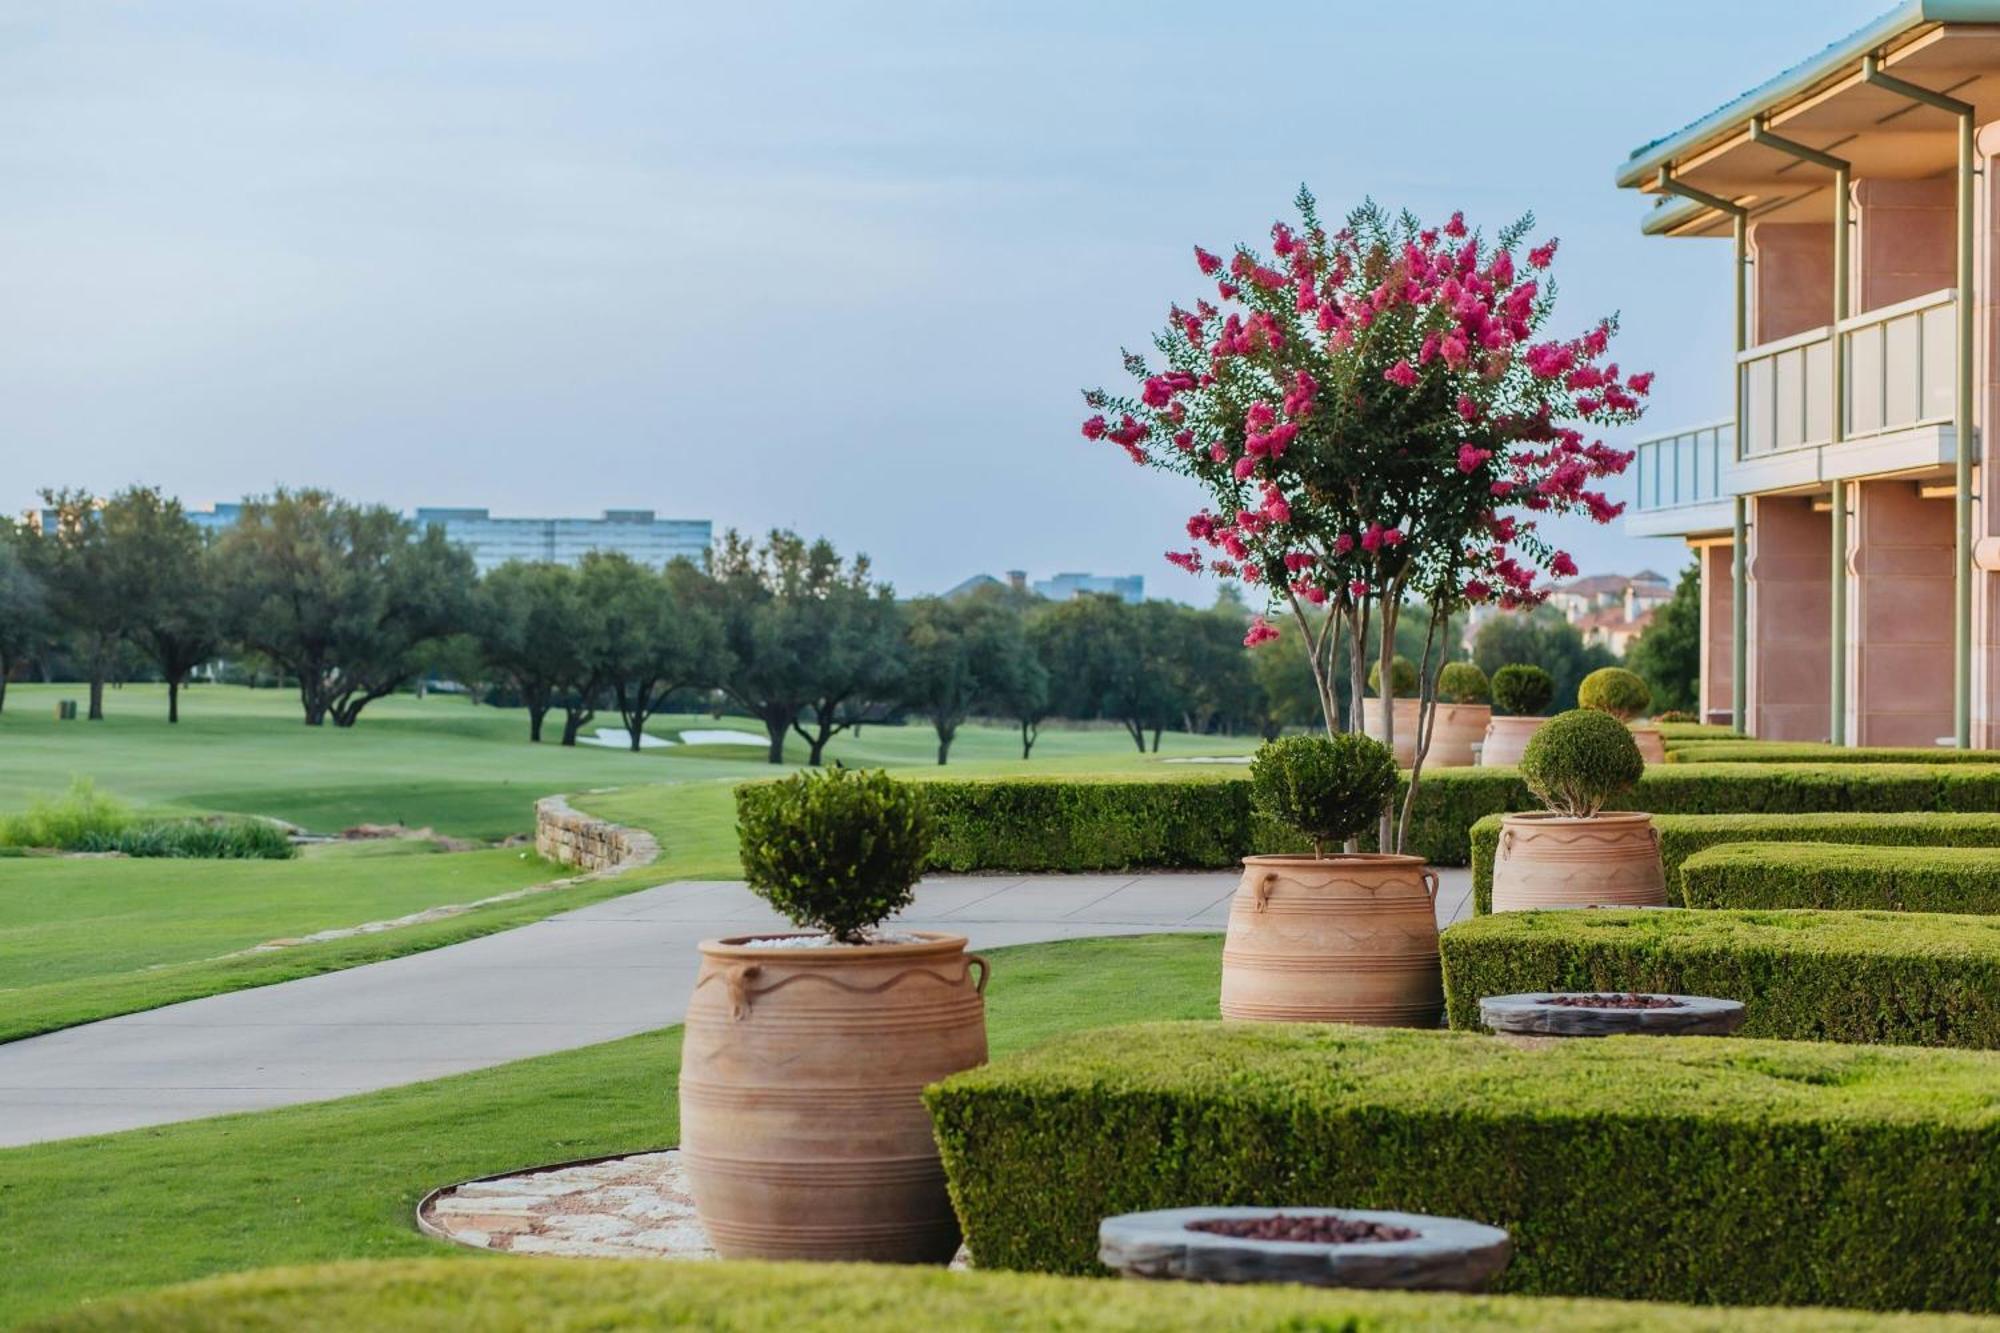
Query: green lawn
point(339, 1180)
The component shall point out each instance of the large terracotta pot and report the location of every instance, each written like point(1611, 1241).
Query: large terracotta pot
point(1606, 860)
point(1405, 744)
point(1506, 738)
point(802, 1125)
point(1457, 729)
point(1342, 939)
point(1652, 745)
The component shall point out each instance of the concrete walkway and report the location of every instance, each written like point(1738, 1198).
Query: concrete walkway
point(591, 975)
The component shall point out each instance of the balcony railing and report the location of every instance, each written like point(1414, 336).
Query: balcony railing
point(1899, 365)
point(1684, 468)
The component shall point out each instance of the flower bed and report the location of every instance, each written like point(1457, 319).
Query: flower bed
point(1912, 979)
point(1663, 1168)
point(1841, 876)
point(1682, 835)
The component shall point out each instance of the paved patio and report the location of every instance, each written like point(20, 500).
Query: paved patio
point(591, 975)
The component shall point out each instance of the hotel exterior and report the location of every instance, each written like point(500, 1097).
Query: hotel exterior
point(1847, 556)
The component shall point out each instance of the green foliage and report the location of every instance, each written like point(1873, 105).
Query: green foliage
point(66, 823)
point(1812, 752)
point(1543, 638)
point(1579, 760)
point(963, 654)
point(1327, 789)
point(1616, 691)
point(1522, 690)
point(1668, 655)
point(216, 839)
point(1806, 806)
point(1822, 1174)
point(171, 582)
point(1695, 731)
point(1462, 683)
point(1900, 978)
point(1402, 674)
point(1843, 876)
point(529, 1295)
point(541, 635)
point(656, 634)
point(839, 850)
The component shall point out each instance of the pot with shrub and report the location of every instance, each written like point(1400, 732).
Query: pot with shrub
point(1460, 719)
point(1625, 696)
point(1334, 937)
point(1405, 703)
point(1576, 853)
point(804, 1056)
point(1520, 692)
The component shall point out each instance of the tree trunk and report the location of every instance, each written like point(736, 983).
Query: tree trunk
point(1137, 733)
point(535, 716)
point(776, 731)
point(3, 689)
point(636, 730)
point(1027, 740)
point(573, 720)
point(96, 696)
point(1156, 740)
point(815, 748)
point(173, 701)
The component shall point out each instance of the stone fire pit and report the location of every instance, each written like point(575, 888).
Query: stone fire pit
point(1610, 1014)
point(1435, 1254)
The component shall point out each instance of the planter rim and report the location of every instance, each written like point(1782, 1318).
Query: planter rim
point(1520, 717)
point(930, 943)
point(1435, 1233)
point(1601, 817)
point(1386, 860)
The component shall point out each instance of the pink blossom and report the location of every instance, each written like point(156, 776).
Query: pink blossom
point(1202, 527)
point(1228, 290)
point(1275, 507)
point(1402, 373)
point(1392, 536)
point(1259, 417)
point(1298, 560)
point(1218, 452)
point(1188, 560)
point(1467, 411)
point(1094, 428)
point(1244, 467)
point(1542, 255)
point(1562, 566)
point(1358, 588)
point(1470, 457)
point(1343, 544)
point(1184, 441)
point(1476, 591)
point(1208, 262)
point(1371, 540)
point(1128, 431)
point(1261, 631)
point(1640, 383)
point(1456, 227)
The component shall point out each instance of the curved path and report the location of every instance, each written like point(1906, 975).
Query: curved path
point(604, 971)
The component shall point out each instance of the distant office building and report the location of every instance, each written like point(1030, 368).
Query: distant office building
point(1061, 588)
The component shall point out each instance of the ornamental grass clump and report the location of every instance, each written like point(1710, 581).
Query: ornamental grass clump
point(837, 850)
point(1523, 690)
point(1614, 690)
point(1328, 788)
point(1580, 761)
point(1463, 683)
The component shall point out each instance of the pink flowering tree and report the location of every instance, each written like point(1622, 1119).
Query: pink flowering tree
point(1377, 417)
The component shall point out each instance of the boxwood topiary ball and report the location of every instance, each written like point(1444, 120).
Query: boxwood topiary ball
point(1462, 683)
point(838, 850)
point(1402, 674)
point(1329, 788)
point(1579, 760)
point(1523, 690)
point(1616, 691)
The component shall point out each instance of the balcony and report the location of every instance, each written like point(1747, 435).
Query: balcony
point(1681, 481)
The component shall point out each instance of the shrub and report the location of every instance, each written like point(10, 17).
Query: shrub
point(1402, 674)
point(210, 839)
point(65, 823)
point(1616, 691)
point(1843, 877)
point(838, 849)
point(1804, 752)
point(1738, 1171)
point(1327, 789)
point(1907, 979)
point(1463, 683)
point(1523, 690)
point(529, 1295)
point(1577, 761)
point(1676, 715)
point(1792, 819)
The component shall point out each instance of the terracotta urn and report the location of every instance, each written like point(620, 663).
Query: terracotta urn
point(1458, 727)
point(1405, 744)
point(1604, 860)
point(1337, 939)
point(1652, 745)
point(802, 1124)
point(1506, 737)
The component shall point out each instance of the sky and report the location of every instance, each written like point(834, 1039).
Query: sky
point(837, 267)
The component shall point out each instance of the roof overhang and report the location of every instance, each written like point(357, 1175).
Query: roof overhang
point(1949, 46)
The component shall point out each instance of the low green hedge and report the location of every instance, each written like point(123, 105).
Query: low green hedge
point(1695, 1169)
point(1808, 752)
point(1843, 877)
point(1681, 836)
point(1696, 731)
point(1907, 979)
point(529, 1295)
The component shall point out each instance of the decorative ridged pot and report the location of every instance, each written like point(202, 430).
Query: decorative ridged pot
point(1405, 744)
point(802, 1126)
point(1506, 737)
point(1605, 860)
point(1340, 939)
point(1652, 745)
point(1457, 729)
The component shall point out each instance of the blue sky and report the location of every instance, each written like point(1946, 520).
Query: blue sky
point(838, 267)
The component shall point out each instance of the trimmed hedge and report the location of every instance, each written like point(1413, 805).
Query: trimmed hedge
point(1697, 731)
point(1843, 877)
point(1681, 836)
point(530, 1295)
point(1656, 1168)
point(1811, 752)
point(1908, 979)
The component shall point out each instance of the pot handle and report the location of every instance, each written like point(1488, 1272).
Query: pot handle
point(985, 971)
point(1654, 829)
point(1263, 889)
point(1430, 878)
point(739, 989)
point(1506, 843)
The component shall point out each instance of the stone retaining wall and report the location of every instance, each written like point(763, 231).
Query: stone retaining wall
point(569, 837)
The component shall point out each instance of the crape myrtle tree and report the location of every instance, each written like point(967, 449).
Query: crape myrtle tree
point(657, 635)
point(342, 597)
point(168, 573)
point(1376, 414)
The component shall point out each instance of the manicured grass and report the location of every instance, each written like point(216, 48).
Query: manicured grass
point(339, 1180)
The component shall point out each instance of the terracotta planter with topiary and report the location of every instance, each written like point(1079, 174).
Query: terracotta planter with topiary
point(1331, 938)
point(1626, 696)
point(1520, 693)
point(804, 1057)
point(1405, 709)
point(1462, 716)
point(1575, 854)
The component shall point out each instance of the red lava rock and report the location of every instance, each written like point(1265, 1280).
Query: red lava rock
point(1318, 1229)
point(1626, 1001)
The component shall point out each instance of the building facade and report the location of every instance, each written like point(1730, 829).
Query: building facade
point(1061, 588)
point(1847, 557)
